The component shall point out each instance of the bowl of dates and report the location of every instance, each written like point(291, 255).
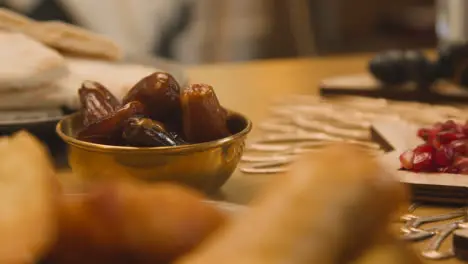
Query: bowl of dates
point(157, 132)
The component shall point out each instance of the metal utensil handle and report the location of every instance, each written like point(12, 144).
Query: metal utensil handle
point(417, 236)
point(435, 218)
point(435, 243)
point(413, 207)
point(432, 250)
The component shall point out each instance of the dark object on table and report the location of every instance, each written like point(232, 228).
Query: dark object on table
point(452, 64)
point(419, 69)
point(389, 67)
point(460, 244)
point(409, 76)
point(452, 59)
point(398, 67)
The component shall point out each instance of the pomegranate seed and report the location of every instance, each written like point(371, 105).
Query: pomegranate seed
point(423, 133)
point(406, 159)
point(433, 138)
point(423, 158)
point(460, 161)
point(465, 129)
point(445, 150)
point(424, 148)
point(449, 124)
point(447, 136)
point(459, 146)
point(463, 170)
point(444, 155)
point(423, 162)
point(459, 129)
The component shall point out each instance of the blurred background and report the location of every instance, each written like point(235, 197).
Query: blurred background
point(209, 31)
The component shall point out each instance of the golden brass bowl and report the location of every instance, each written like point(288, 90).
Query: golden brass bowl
point(205, 166)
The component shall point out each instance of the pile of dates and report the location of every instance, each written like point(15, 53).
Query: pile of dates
point(445, 150)
point(398, 67)
point(155, 112)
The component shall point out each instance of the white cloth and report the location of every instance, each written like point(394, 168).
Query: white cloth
point(118, 78)
point(134, 24)
point(220, 30)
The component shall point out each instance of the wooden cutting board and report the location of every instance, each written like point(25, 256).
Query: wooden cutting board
point(445, 188)
point(366, 85)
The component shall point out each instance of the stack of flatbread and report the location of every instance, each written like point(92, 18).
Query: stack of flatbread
point(42, 64)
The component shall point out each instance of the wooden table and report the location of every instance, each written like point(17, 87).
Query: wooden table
point(250, 87)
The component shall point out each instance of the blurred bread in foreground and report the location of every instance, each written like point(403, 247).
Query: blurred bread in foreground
point(132, 222)
point(26, 63)
point(327, 209)
point(64, 37)
point(27, 200)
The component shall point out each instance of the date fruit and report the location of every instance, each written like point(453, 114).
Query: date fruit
point(108, 130)
point(159, 93)
point(97, 102)
point(203, 117)
point(145, 132)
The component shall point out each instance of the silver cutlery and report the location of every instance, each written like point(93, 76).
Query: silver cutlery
point(432, 250)
point(413, 223)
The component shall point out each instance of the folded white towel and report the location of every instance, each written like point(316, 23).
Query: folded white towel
point(26, 63)
point(118, 78)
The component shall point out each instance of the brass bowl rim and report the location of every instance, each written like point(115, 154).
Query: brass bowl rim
point(183, 148)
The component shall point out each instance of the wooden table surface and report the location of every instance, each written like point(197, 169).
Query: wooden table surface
point(250, 88)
